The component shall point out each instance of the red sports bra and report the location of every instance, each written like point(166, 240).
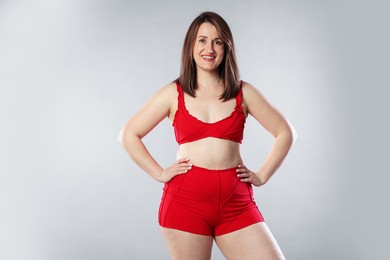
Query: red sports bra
point(188, 128)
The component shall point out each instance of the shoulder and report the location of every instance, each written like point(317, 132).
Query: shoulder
point(169, 89)
point(252, 98)
point(251, 94)
point(166, 94)
point(248, 89)
point(163, 99)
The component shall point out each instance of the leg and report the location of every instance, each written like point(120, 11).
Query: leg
point(252, 242)
point(187, 246)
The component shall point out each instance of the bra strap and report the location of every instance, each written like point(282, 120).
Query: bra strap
point(239, 97)
point(180, 97)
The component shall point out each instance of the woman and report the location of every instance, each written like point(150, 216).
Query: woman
point(208, 190)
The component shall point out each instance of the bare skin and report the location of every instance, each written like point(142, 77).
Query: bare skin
point(252, 242)
point(186, 246)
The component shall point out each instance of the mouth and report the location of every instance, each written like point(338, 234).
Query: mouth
point(208, 57)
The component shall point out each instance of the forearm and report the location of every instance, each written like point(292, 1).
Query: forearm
point(276, 156)
point(141, 156)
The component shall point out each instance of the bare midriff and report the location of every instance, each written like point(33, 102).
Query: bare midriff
point(211, 153)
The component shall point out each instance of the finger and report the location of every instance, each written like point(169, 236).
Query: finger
point(243, 176)
point(185, 165)
point(183, 168)
point(183, 160)
point(241, 168)
point(245, 180)
point(180, 172)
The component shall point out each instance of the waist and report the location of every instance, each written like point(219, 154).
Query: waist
point(216, 170)
point(211, 153)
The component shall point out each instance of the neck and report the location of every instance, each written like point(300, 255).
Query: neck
point(207, 79)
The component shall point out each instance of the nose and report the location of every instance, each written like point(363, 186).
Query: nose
point(210, 47)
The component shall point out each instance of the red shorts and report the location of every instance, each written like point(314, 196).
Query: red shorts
point(208, 202)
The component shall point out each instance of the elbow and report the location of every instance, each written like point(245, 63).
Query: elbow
point(120, 137)
point(288, 134)
point(292, 133)
point(127, 137)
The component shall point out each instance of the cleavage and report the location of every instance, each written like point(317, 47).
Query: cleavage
point(205, 111)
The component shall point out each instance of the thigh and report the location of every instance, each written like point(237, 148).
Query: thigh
point(184, 245)
point(252, 242)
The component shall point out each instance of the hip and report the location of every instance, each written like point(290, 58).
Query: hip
point(203, 184)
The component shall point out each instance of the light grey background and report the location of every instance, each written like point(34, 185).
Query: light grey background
point(72, 72)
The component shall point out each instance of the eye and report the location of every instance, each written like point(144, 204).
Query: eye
point(202, 40)
point(218, 42)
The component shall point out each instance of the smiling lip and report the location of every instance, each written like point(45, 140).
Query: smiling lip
point(208, 57)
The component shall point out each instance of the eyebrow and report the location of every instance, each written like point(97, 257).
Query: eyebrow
point(202, 36)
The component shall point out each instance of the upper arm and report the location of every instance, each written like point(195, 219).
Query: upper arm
point(153, 112)
point(267, 115)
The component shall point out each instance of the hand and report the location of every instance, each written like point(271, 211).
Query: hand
point(181, 166)
point(248, 176)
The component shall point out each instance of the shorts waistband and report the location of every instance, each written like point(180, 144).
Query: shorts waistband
point(195, 167)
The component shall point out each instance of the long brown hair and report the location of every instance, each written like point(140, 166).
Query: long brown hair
point(228, 70)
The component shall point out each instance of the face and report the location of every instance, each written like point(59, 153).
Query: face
point(208, 48)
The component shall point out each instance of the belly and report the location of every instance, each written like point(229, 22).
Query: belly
point(211, 153)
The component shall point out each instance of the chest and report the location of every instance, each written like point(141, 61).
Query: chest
point(209, 109)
